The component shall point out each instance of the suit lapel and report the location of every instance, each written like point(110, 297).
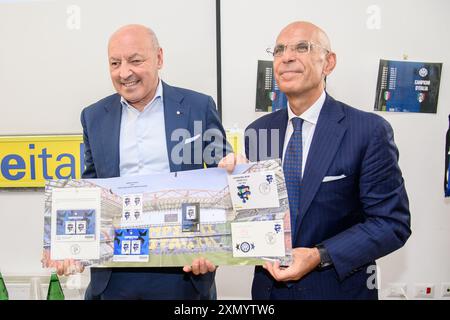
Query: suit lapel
point(277, 121)
point(326, 141)
point(110, 131)
point(176, 116)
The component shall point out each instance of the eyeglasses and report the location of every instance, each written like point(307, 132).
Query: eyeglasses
point(303, 46)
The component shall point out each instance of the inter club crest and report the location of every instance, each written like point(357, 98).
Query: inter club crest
point(245, 246)
point(423, 72)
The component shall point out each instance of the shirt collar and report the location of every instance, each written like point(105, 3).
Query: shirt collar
point(311, 115)
point(158, 94)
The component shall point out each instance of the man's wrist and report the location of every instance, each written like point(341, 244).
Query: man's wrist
point(325, 259)
point(316, 256)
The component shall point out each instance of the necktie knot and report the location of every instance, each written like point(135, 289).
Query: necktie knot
point(297, 123)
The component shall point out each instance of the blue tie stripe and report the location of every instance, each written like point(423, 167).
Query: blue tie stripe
point(292, 167)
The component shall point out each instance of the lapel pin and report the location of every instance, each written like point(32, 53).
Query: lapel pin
point(178, 112)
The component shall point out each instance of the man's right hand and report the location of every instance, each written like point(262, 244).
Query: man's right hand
point(231, 160)
point(62, 267)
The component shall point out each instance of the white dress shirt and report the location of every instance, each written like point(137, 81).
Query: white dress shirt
point(310, 118)
point(143, 148)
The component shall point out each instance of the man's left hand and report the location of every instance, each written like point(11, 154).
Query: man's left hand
point(304, 261)
point(200, 266)
point(231, 160)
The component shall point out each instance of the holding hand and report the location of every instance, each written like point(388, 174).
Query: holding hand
point(304, 261)
point(200, 266)
point(231, 160)
point(63, 267)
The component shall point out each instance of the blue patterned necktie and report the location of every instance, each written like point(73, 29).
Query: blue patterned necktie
point(292, 167)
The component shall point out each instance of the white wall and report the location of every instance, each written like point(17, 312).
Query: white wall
point(415, 28)
point(48, 73)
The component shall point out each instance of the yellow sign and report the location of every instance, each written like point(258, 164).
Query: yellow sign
point(27, 161)
point(235, 138)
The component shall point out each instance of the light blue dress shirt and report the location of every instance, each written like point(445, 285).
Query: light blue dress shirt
point(143, 148)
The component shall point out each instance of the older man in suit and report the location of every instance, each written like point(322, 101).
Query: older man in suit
point(147, 127)
point(346, 193)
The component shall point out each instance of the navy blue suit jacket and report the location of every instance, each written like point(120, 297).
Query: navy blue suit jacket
point(359, 218)
point(101, 133)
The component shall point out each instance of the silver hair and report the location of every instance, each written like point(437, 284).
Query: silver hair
point(154, 38)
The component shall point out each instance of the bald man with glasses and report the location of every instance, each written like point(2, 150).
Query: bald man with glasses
point(347, 197)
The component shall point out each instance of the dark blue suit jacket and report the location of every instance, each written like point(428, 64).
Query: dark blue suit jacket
point(359, 218)
point(101, 132)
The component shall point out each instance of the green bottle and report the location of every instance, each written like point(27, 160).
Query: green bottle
point(55, 291)
point(3, 291)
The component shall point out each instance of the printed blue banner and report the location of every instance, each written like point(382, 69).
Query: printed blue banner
point(405, 86)
point(269, 98)
point(447, 161)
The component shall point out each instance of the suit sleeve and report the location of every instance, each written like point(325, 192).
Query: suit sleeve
point(386, 224)
point(216, 144)
point(89, 167)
